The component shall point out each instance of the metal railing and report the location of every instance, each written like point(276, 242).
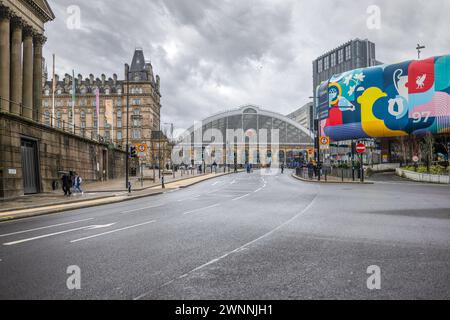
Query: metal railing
point(50, 121)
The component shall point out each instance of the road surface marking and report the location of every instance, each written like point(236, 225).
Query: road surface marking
point(242, 197)
point(244, 247)
point(58, 233)
point(258, 190)
point(112, 231)
point(201, 209)
point(233, 182)
point(42, 228)
point(140, 209)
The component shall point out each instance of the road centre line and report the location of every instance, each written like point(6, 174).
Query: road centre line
point(242, 197)
point(42, 228)
point(112, 231)
point(201, 209)
point(139, 209)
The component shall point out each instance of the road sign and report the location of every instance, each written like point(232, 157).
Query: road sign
point(360, 148)
point(415, 159)
point(324, 143)
point(310, 152)
point(141, 150)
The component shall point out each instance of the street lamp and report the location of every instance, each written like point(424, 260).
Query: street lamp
point(173, 141)
point(127, 162)
point(419, 48)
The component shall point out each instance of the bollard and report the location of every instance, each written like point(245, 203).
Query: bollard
point(162, 182)
point(129, 186)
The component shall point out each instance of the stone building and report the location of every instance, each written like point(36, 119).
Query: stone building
point(144, 105)
point(32, 154)
point(22, 38)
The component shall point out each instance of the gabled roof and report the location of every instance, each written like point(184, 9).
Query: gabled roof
point(45, 9)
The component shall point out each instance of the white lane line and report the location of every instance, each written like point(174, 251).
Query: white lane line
point(258, 190)
point(245, 246)
point(58, 233)
point(140, 209)
point(42, 228)
point(201, 209)
point(244, 196)
point(112, 231)
point(233, 182)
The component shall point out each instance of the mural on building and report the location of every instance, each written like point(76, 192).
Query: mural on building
point(389, 101)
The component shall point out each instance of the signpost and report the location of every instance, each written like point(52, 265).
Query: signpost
point(324, 143)
point(361, 148)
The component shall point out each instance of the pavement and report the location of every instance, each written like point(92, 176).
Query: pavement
point(240, 236)
point(106, 192)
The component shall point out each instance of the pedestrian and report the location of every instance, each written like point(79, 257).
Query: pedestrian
point(67, 184)
point(78, 181)
point(310, 167)
point(282, 168)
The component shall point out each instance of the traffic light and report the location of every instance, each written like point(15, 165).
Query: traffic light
point(133, 153)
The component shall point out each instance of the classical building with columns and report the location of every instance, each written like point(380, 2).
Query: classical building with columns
point(33, 155)
point(21, 41)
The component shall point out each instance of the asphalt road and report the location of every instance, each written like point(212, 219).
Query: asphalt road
point(242, 236)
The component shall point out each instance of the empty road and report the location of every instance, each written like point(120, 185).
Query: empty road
point(241, 236)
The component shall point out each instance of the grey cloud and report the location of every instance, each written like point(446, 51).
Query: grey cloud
point(215, 55)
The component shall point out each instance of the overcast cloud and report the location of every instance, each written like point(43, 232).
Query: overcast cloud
point(214, 55)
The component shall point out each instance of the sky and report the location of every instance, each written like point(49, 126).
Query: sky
point(216, 55)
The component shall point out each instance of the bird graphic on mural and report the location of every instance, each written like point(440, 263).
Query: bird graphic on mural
point(373, 126)
point(420, 81)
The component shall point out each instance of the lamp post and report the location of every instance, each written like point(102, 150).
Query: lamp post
point(317, 140)
point(419, 48)
point(173, 141)
point(127, 163)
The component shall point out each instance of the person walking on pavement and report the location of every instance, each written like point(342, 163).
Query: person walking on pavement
point(282, 168)
point(78, 181)
point(67, 184)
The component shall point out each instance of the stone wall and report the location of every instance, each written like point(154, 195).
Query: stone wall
point(56, 151)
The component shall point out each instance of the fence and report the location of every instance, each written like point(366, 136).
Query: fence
point(329, 173)
point(48, 120)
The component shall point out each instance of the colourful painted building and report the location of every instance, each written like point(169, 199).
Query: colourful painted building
point(409, 98)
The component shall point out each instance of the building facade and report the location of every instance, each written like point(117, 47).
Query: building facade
point(351, 55)
point(304, 115)
point(21, 41)
point(77, 110)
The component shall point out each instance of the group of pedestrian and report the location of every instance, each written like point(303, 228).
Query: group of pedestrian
point(71, 182)
point(313, 169)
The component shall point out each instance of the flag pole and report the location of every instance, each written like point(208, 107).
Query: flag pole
point(73, 100)
point(53, 93)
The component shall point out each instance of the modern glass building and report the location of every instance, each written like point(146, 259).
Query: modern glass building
point(251, 130)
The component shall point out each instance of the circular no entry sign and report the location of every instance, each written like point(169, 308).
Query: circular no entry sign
point(360, 148)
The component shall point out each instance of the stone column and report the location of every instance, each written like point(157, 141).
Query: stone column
point(27, 95)
point(16, 66)
point(38, 41)
point(4, 58)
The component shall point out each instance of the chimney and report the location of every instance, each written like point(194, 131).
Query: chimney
point(56, 79)
point(127, 72)
point(103, 79)
point(80, 79)
point(115, 79)
point(91, 79)
point(67, 79)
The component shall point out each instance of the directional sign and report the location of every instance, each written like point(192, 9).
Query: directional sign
point(360, 148)
point(324, 143)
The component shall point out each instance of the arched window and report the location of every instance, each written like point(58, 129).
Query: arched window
point(58, 120)
point(83, 119)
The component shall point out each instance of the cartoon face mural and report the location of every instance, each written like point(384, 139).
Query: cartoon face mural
point(412, 97)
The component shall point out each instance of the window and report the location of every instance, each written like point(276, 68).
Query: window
point(119, 103)
point(94, 102)
point(348, 52)
point(47, 117)
point(83, 119)
point(333, 59)
point(137, 102)
point(46, 103)
point(136, 134)
point(320, 66)
point(83, 102)
point(119, 135)
point(340, 56)
point(119, 91)
point(47, 92)
point(119, 114)
point(58, 120)
point(70, 117)
point(59, 91)
point(119, 123)
point(107, 91)
point(326, 63)
point(95, 120)
point(136, 123)
point(136, 112)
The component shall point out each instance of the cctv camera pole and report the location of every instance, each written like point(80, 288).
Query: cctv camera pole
point(127, 164)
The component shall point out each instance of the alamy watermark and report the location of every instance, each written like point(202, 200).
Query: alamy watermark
point(74, 280)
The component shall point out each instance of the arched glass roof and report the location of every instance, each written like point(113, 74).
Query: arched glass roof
point(254, 118)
